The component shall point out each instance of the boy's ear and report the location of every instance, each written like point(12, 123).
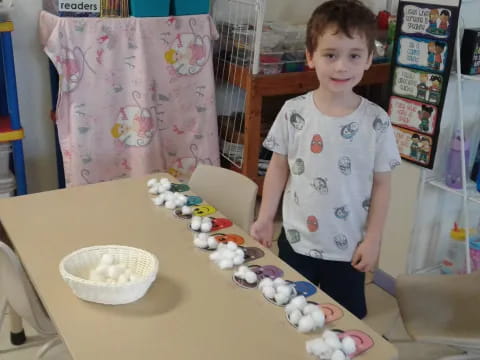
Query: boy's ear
point(309, 59)
point(369, 61)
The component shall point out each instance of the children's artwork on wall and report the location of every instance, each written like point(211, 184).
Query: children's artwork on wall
point(417, 85)
point(424, 54)
point(423, 48)
point(414, 146)
point(421, 20)
point(413, 114)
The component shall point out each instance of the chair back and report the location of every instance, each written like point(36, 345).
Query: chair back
point(233, 194)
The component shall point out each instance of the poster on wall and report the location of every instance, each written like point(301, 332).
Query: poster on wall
point(421, 62)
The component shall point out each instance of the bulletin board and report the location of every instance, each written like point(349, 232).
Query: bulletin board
point(421, 62)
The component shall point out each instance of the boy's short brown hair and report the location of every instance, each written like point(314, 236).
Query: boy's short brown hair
point(347, 16)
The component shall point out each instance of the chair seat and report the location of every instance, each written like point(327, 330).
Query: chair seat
point(441, 308)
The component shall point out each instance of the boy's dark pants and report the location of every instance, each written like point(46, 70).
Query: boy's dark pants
point(339, 279)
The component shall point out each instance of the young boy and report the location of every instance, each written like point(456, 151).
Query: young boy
point(332, 156)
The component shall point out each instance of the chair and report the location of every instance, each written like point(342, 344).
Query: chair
point(233, 194)
point(23, 302)
point(442, 309)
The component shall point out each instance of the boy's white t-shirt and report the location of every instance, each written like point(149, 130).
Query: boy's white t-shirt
point(332, 162)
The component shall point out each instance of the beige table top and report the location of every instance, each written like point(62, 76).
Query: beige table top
point(192, 311)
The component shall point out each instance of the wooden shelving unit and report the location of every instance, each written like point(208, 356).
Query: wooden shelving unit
point(259, 86)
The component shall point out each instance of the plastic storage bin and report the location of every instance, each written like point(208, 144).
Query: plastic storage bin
point(7, 186)
point(5, 150)
point(190, 7)
point(149, 8)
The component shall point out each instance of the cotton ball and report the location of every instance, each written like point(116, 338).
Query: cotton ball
point(102, 269)
point(316, 347)
point(348, 345)
point(198, 242)
point(265, 282)
point(164, 180)
point(284, 289)
point(197, 219)
point(153, 190)
point(232, 246)
point(290, 307)
point(206, 227)
point(281, 298)
point(318, 318)
point(169, 196)
point(107, 259)
point(237, 260)
point(243, 269)
point(110, 282)
point(113, 272)
point(195, 225)
point(338, 355)
point(122, 267)
point(161, 188)
point(186, 210)
point(96, 276)
point(151, 182)
point(128, 272)
point(122, 279)
point(134, 277)
point(206, 220)
point(215, 256)
point(225, 264)
point(333, 342)
point(212, 242)
point(268, 291)
point(309, 308)
point(178, 203)
point(166, 183)
point(170, 204)
point(299, 302)
point(295, 316)
point(278, 281)
point(183, 198)
point(250, 277)
point(158, 200)
point(329, 333)
point(305, 324)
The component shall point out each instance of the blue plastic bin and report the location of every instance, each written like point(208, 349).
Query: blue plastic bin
point(190, 7)
point(149, 8)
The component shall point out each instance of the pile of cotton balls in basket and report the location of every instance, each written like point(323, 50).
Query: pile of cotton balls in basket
point(203, 224)
point(246, 274)
point(227, 255)
point(306, 317)
point(109, 273)
point(330, 347)
point(277, 290)
point(203, 241)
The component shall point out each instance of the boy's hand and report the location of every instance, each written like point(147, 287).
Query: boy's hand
point(262, 231)
point(366, 255)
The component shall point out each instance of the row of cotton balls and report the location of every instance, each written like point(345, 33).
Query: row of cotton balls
point(306, 317)
point(203, 224)
point(330, 347)
point(227, 255)
point(246, 274)
point(278, 290)
point(110, 273)
point(172, 200)
point(203, 241)
point(157, 187)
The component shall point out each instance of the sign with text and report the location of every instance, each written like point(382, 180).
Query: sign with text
point(413, 114)
point(417, 85)
point(90, 7)
point(421, 62)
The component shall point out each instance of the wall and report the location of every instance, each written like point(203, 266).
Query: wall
point(34, 98)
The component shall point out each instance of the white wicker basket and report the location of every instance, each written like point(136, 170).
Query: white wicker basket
point(76, 266)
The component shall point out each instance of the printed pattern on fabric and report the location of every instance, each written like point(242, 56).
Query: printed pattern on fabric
point(136, 95)
point(332, 162)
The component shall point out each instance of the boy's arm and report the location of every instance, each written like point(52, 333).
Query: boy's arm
point(273, 185)
point(366, 255)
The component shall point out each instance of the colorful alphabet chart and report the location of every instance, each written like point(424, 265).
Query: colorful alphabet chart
point(421, 62)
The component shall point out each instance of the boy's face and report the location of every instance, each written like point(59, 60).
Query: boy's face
point(339, 61)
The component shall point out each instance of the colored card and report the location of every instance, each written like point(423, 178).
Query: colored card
point(179, 188)
point(332, 312)
point(203, 210)
point(253, 253)
point(270, 271)
point(244, 283)
point(225, 238)
point(417, 85)
point(363, 341)
point(178, 214)
point(413, 115)
point(413, 146)
point(420, 20)
point(220, 223)
point(423, 54)
point(304, 288)
point(193, 200)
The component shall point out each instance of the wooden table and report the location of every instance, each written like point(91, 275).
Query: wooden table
point(192, 311)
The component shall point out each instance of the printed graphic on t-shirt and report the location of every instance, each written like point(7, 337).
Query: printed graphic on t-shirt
point(349, 131)
point(341, 241)
point(320, 184)
point(297, 121)
point(345, 165)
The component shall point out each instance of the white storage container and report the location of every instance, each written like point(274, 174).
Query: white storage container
point(5, 150)
point(7, 186)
